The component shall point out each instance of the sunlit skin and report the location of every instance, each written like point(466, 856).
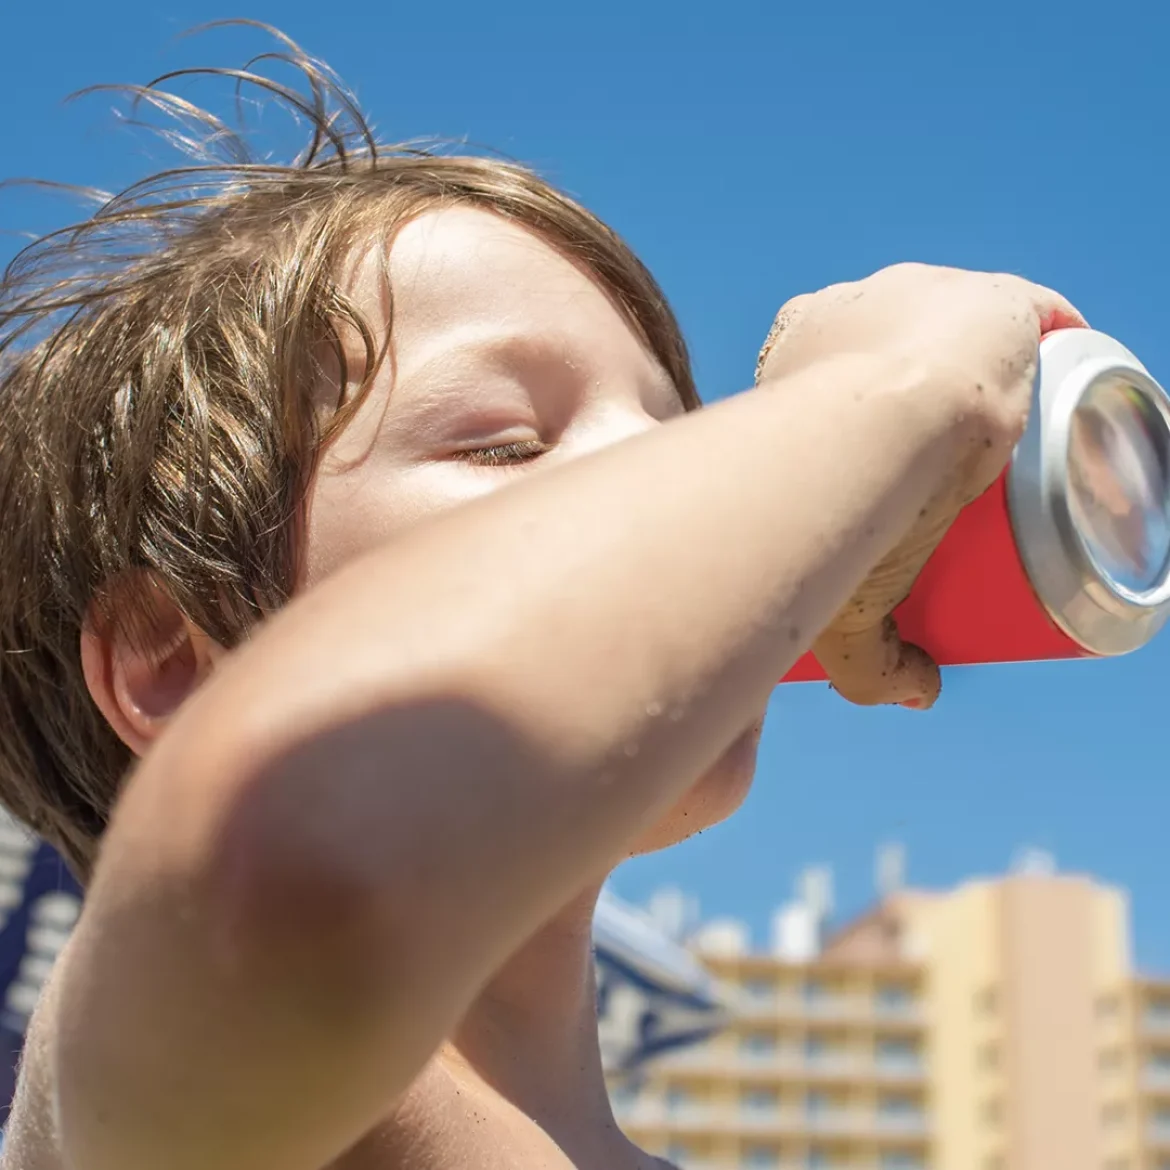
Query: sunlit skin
point(505, 359)
point(345, 901)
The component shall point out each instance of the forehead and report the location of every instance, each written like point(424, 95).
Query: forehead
point(459, 273)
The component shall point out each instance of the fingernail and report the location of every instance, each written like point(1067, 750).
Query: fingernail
point(913, 704)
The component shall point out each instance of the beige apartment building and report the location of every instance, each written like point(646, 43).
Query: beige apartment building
point(997, 1026)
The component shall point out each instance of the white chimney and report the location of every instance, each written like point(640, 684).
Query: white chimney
point(796, 936)
point(814, 887)
point(674, 912)
point(1031, 862)
point(723, 937)
point(890, 870)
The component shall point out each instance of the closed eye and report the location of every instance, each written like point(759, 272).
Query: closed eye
point(523, 451)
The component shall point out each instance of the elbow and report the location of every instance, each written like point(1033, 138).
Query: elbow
point(356, 843)
point(293, 894)
point(349, 854)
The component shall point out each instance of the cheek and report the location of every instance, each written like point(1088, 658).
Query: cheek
point(354, 510)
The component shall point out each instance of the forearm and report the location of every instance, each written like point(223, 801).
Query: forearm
point(434, 750)
point(594, 638)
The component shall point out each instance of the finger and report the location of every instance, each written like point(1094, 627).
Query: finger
point(1053, 310)
point(792, 314)
point(789, 313)
point(873, 665)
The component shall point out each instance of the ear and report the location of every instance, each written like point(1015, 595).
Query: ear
point(139, 672)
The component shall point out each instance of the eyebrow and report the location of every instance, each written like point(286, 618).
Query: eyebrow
point(503, 352)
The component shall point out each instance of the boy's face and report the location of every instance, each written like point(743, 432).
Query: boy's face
point(506, 360)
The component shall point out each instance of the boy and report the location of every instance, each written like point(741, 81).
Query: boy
point(377, 587)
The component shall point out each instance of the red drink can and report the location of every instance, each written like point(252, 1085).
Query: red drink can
point(1067, 555)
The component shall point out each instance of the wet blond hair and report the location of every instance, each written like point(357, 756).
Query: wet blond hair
point(157, 368)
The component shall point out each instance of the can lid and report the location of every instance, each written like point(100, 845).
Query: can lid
point(1089, 492)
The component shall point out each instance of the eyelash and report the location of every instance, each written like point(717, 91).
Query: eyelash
point(507, 454)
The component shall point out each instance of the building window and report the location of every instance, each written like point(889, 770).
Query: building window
point(817, 1159)
point(679, 1153)
point(758, 1045)
point(891, 999)
point(1158, 1013)
point(987, 1002)
point(898, 1106)
point(816, 1103)
point(991, 1114)
point(1159, 1063)
point(816, 1049)
point(814, 991)
point(760, 1157)
point(896, 1055)
point(989, 1057)
point(678, 1099)
point(760, 990)
point(900, 1160)
point(759, 1101)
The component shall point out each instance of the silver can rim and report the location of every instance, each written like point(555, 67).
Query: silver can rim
point(1100, 614)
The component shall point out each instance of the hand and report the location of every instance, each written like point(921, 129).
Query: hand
point(970, 340)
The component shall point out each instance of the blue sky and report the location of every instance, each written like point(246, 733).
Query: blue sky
point(750, 151)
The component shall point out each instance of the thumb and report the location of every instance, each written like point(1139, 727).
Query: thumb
point(873, 665)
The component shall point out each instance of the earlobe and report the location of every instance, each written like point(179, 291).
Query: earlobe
point(139, 682)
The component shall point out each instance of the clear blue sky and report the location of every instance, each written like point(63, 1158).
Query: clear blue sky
point(750, 151)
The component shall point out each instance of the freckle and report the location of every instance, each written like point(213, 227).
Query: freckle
point(794, 634)
point(978, 387)
point(921, 513)
point(987, 443)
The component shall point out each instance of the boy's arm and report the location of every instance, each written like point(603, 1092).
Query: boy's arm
point(420, 761)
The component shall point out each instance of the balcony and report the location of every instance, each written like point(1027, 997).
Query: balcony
point(756, 1004)
point(898, 1070)
point(698, 1162)
point(1158, 1132)
point(1156, 1019)
point(901, 1125)
point(783, 1123)
point(792, 1064)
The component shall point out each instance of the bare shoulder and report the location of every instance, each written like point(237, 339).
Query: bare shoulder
point(31, 1141)
point(448, 1118)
